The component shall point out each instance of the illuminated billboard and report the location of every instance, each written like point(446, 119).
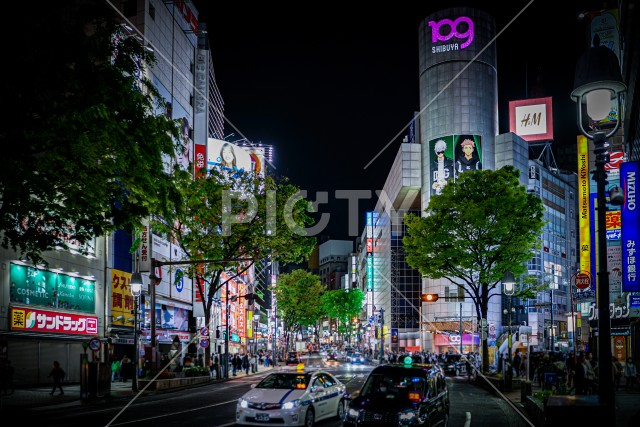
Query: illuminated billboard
point(630, 227)
point(442, 166)
point(448, 34)
point(532, 119)
point(584, 217)
point(468, 153)
point(228, 156)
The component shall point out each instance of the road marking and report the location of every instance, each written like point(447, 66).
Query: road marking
point(176, 413)
point(467, 421)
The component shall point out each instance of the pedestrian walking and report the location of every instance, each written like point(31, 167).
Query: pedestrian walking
point(253, 361)
point(215, 366)
point(630, 373)
point(57, 373)
point(125, 366)
point(116, 372)
point(590, 374)
point(579, 376)
point(266, 361)
point(235, 363)
point(245, 363)
point(618, 370)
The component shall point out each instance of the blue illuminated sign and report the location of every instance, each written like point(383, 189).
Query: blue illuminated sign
point(630, 218)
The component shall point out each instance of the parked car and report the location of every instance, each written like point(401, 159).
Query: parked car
point(293, 358)
point(297, 398)
point(400, 394)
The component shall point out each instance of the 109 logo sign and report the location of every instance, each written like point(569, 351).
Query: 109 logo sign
point(437, 36)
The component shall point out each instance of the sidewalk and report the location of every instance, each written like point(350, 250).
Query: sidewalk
point(627, 405)
point(38, 398)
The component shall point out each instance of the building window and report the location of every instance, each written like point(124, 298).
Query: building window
point(453, 293)
point(152, 12)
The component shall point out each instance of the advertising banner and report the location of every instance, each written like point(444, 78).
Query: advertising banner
point(584, 218)
point(35, 320)
point(32, 286)
point(442, 167)
point(468, 153)
point(122, 301)
point(228, 156)
point(168, 317)
point(630, 219)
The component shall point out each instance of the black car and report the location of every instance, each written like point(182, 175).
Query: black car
point(400, 395)
point(293, 358)
point(453, 364)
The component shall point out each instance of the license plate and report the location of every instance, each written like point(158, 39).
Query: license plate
point(262, 417)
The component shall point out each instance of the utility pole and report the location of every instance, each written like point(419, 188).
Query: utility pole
point(381, 334)
point(461, 330)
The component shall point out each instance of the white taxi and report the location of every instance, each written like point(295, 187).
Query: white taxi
point(292, 398)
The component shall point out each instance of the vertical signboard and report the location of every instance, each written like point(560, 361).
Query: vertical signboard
point(584, 220)
point(369, 251)
point(630, 227)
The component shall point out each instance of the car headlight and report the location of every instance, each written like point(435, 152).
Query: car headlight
point(408, 416)
point(292, 404)
point(353, 413)
point(243, 403)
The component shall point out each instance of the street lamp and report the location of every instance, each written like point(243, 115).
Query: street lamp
point(598, 82)
point(508, 284)
point(136, 289)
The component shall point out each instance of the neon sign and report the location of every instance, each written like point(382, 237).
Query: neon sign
point(437, 36)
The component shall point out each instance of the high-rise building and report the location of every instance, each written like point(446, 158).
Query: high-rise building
point(458, 126)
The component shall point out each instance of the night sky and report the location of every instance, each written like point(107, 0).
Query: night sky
point(329, 88)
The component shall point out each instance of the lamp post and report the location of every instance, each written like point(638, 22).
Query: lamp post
point(508, 284)
point(598, 82)
point(136, 289)
point(461, 330)
point(226, 332)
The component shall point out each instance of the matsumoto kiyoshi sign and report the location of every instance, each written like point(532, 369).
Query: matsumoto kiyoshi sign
point(31, 286)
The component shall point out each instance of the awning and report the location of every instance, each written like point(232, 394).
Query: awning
point(448, 326)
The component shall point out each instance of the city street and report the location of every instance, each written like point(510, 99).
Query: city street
point(214, 405)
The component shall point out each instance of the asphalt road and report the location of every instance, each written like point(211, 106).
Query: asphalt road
point(214, 405)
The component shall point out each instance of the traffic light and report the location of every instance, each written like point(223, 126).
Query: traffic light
point(429, 297)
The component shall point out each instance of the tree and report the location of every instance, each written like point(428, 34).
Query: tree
point(236, 219)
point(343, 305)
point(297, 296)
point(482, 225)
point(84, 144)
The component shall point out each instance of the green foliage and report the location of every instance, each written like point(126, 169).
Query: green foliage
point(196, 371)
point(482, 225)
point(342, 305)
point(232, 220)
point(86, 145)
point(298, 294)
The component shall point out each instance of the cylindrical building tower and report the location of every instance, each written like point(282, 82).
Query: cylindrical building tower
point(458, 91)
point(459, 123)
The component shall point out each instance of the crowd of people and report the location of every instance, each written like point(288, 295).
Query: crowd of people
point(549, 370)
